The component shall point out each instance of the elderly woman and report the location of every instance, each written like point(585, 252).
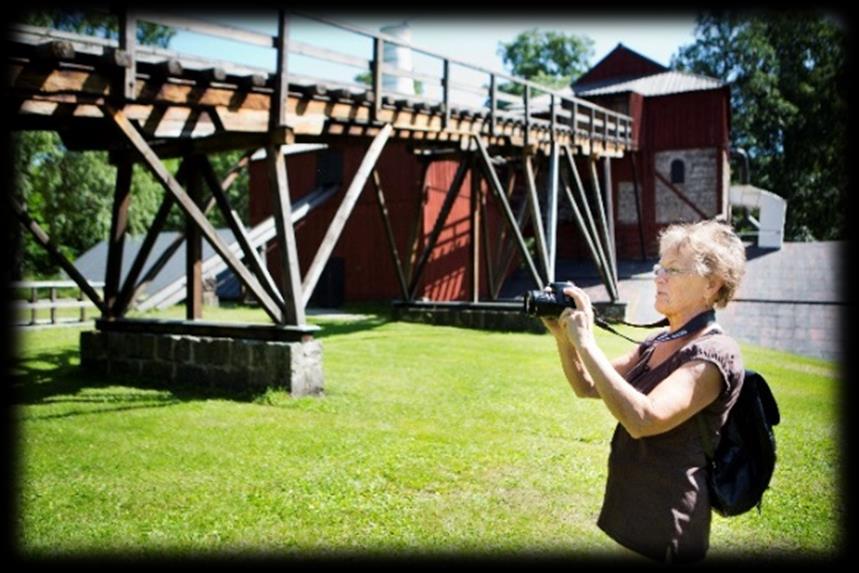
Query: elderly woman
point(656, 500)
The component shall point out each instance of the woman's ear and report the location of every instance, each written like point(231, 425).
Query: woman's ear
point(714, 285)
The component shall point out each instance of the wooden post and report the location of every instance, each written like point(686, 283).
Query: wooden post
point(290, 274)
point(277, 112)
point(552, 214)
point(445, 122)
point(493, 104)
point(53, 305)
point(378, 57)
point(609, 209)
point(343, 212)
point(118, 228)
point(128, 45)
point(193, 246)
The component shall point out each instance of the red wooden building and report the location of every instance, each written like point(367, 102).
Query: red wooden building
point(681, 136)
point(679, 171)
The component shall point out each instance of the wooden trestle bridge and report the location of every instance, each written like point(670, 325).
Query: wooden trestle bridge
point(144, 104)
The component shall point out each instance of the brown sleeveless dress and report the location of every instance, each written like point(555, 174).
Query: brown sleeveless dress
point(656, 501)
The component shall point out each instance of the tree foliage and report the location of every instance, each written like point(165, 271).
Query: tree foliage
point(553, 59)
point(787, 73)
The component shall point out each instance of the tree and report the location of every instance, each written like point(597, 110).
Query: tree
point(69, 193)
point(789, 107)
point(553, 59)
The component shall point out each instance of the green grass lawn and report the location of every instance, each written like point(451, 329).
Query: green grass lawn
point(429, 440)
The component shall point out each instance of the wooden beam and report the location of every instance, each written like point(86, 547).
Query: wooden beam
point(606, 239)
point(342, 215)
point(290, 274)
point(536, 214)
point(168, 181)
point(487, 252)
point(552, 214)
point(118, 228)
point(495, 184)
point(447, 204)
point(43, 239)
point(237, 227)
point(128, 45)
point(389, 233)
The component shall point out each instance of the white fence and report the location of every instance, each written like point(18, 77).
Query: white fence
point(33, 303)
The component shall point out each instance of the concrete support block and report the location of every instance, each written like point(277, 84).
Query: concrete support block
point(207, 362)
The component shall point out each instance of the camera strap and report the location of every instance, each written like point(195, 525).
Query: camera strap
point(696, 323)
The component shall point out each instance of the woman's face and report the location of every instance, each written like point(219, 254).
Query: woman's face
point(678, 286)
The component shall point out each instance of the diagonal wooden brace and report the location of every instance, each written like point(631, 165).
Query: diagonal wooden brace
point(343, 212)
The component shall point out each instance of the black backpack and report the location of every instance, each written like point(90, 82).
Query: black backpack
point(741, 467)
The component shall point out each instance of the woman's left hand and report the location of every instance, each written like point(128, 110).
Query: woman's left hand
point(578, 323)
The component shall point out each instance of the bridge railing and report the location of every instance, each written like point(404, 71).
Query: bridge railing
point(447, 84)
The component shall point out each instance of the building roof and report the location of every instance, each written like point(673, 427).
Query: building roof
point(664, 83)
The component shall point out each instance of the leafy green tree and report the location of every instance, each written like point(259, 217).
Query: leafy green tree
point(97, 23)
point(553, 59)
point(789, 107)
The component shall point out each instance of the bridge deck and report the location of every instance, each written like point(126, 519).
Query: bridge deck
point(59, 80)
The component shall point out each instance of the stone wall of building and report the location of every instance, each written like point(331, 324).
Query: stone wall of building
point(224, 363)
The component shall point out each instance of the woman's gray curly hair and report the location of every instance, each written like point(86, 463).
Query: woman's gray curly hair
point(715, 249)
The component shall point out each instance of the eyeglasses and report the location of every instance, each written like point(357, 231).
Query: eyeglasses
point(660, 271)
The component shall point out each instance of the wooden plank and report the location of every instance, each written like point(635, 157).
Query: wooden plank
point(474, 231)
point(552, 213)
point(128, 44)
point(165, 178)
point(290, 287)
point(389, 233)
point(329, 241)
point(495, 184)
point(43, 239)
point(118, 229)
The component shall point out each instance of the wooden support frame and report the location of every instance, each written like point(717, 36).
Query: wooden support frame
point(329, 241)
point(447, 205)
point(43, 239)
point(169, 182)
point(389, 233)
point(237, 227)
point(474, 230)
point(495, 184)
point(505, 257)
point(587, 228)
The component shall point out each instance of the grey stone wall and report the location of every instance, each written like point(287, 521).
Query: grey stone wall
point(700, 184)
point(226, 363)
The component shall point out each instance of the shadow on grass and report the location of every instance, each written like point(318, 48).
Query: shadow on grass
point(56, 377)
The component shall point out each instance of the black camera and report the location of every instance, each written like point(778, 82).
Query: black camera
point(548, 303)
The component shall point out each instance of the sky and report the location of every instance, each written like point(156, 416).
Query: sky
point(465, 39)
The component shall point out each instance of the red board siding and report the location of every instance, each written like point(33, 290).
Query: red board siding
point(368, 267)
point(621, 63)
